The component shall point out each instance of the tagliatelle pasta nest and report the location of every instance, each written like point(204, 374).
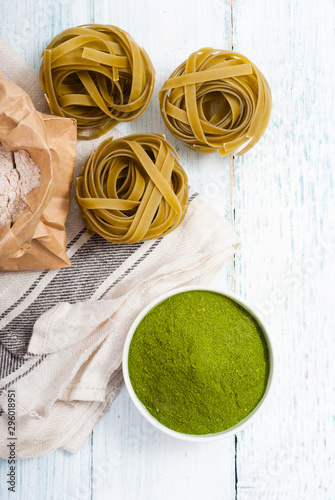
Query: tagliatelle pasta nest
point(132, 189)
point(98, 75)
point(216, 100)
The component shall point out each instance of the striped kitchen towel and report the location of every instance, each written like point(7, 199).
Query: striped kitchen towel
point(62, 331)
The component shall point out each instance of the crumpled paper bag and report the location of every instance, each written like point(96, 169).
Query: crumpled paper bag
point(36, 239)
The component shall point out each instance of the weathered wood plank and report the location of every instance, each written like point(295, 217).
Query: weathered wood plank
point(29, 27)
point(283, 197)
point(153, 465)
point(149, 465)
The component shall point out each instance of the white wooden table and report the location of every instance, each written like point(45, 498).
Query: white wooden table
point(280, 199)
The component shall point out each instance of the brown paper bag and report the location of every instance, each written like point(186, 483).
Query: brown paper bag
point(36, 239)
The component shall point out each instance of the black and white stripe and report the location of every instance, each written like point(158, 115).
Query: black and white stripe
point(38, 280)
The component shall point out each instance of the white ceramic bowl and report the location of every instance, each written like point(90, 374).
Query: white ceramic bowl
point(142, 409)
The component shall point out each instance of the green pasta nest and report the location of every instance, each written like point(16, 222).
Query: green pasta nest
point(98, 75)
point(216, 100)
point(132, 189)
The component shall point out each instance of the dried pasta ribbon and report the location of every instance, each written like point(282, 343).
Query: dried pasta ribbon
point(216, 100)
point(98, 75)
point(132, 189)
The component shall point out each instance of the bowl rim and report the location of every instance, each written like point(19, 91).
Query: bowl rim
point(140, 406)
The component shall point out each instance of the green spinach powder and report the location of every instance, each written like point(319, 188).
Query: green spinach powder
point(199, 363)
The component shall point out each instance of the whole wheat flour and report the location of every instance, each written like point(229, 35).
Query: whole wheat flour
point(19, 174)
